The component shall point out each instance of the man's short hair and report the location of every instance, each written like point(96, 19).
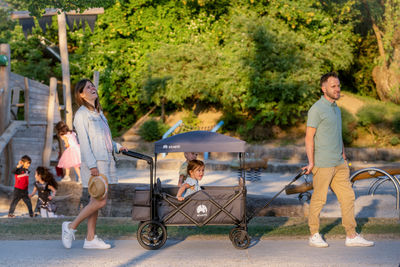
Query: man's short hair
point(326, 76)
point(26, 158)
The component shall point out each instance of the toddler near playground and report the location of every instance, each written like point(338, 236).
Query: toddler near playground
point(46, 187)
point(195, 170)
point(21, 174)
point(71, 158)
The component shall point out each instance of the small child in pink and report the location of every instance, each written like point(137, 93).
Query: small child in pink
point(71, 158)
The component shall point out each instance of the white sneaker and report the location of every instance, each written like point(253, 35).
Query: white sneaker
point(67, 235)
point(96, 243)
point(66, 179)
point(358, 241)
point(317, 241)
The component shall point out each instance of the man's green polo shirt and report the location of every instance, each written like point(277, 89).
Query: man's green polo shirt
point(328, 143)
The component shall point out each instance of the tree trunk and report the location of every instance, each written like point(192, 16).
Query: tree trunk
point(163, 109)
point(386, 74)
point(387, 79)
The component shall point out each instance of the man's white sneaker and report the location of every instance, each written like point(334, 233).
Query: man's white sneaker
point(358, 241)
point(67, 235)
point(96, 243)
point(317, 241)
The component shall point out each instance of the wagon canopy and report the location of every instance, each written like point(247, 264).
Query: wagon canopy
point(199, 141)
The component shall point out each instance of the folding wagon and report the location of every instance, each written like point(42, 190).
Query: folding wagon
point(156, 205)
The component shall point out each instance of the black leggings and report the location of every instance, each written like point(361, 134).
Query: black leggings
point(17, 196)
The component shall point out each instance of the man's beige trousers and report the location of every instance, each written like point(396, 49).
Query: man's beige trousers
point(338, 179)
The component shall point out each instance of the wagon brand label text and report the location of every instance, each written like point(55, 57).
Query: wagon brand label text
point(171, 146)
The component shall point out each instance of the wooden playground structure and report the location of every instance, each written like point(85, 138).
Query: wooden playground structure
point(33, 135)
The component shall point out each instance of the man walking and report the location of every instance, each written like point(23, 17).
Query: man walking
point(327, 162)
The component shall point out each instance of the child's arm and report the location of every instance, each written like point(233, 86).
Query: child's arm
point(53, 192)
point(181, 190)
point(33, 192)
point(65, 139)
point(17, 169)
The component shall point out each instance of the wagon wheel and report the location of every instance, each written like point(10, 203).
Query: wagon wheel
point(233, 230)
point(157, 187)
point(151, 235)
point(305, 196)
point(240, 239)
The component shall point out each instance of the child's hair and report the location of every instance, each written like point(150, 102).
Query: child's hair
point(26, 158)
point(194, 164)
point(46, 176)
point(62, 128)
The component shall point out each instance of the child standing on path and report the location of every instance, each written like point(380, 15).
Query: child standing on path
point(21, 186)
point(46, 186)
point(183, 170)
point(72, 154)
point(195, 170)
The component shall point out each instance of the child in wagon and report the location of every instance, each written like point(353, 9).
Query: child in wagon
point(195, 170)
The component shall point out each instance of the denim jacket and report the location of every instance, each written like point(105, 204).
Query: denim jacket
point(91, 136)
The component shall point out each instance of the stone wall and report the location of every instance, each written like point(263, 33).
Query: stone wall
point(70, 198)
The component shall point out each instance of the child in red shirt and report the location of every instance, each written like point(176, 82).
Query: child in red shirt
point(21, 174)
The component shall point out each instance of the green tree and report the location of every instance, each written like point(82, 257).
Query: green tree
point(37, 8)
point(257, 61)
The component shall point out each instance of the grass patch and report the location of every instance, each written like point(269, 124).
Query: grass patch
point(260, 227)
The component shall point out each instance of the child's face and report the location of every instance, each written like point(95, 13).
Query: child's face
point(37, 177)
point(26, 164)
point(197, 173)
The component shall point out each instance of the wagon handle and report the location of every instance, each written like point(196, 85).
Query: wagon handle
point(272, 199)
point(133, 154)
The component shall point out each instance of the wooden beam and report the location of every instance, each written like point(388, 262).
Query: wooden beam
point(15, 102)
point(9, 133)
point(62, 35)
point(96, 76)
point(52, 12)
point(5, 113)
point(26, 96)
point(5, 97)
point(50, 123)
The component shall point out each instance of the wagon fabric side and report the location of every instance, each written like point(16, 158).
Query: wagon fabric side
point(213, 205)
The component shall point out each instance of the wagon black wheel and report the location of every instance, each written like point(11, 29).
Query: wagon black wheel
point(306, 196)
point(240, 239)
point(233, 230)
point(151, 235)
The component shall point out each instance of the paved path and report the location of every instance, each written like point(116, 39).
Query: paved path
point(199, 253)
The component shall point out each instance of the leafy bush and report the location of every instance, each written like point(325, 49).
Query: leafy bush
point(152, 130)
point(395, 141)
point(371, 115)
point(396, 123)
point(349, 123)
point(191, 122)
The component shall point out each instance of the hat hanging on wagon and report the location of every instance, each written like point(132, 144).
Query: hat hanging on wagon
point(98, 186)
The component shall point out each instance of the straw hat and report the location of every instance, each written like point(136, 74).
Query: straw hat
point(98, 186)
